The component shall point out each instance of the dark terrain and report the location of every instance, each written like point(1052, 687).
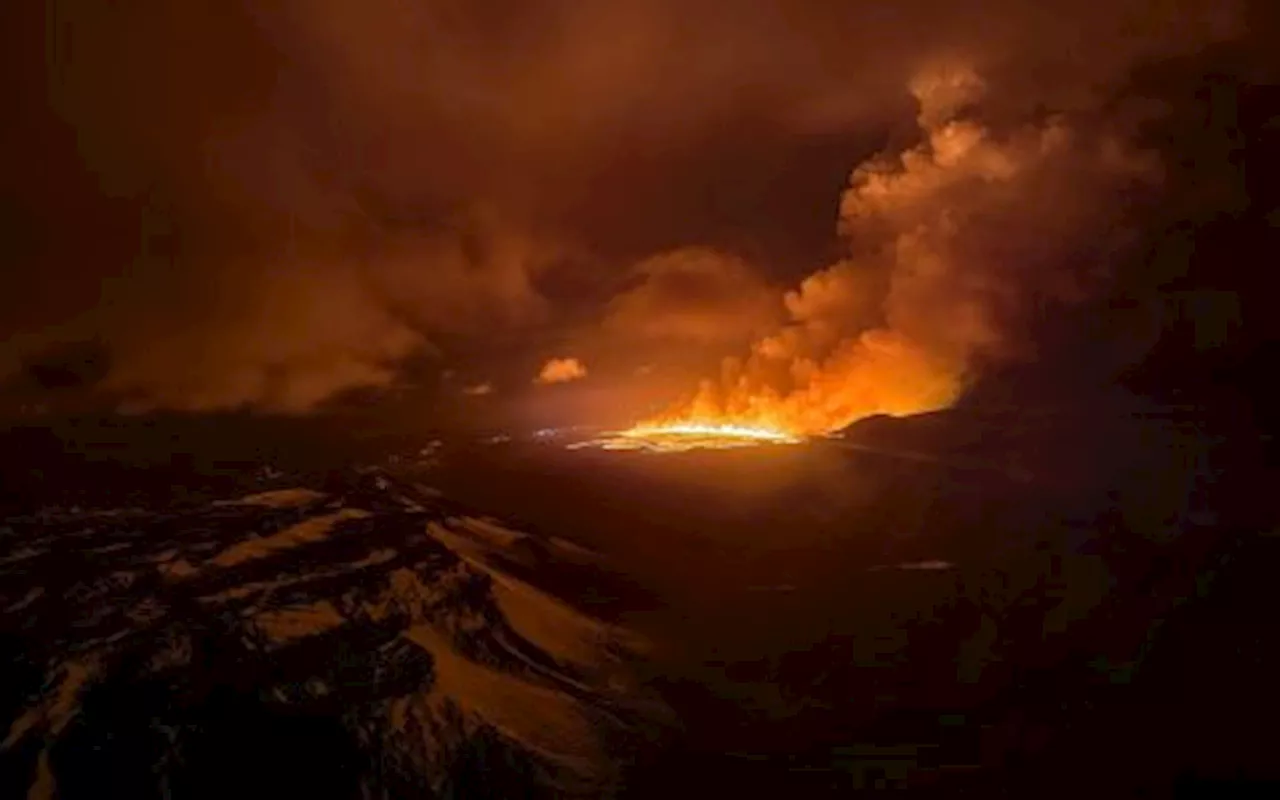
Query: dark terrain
point(1030, 603)
point(359, 637)
point(1050, 590)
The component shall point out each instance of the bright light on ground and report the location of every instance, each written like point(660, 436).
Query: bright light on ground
point(678, 437)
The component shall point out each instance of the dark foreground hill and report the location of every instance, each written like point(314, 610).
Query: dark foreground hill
point(1025, 600)
point(355, 639)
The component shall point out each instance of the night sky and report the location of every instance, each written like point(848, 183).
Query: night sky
point(284, 205)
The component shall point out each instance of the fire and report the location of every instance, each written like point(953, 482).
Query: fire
point(957, 246)
point(681, 436)
point(725, 430)
point(874, 374)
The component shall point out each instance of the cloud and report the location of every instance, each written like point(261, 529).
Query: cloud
point(285, 340)
point(561, 370)
point(222, 257)
point(285, 331)
point(957, 245)
point(478, 389)
point(692, 296)
point(365, 183)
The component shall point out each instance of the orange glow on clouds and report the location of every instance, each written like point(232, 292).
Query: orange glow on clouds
point(561, 370)
point(938, 280)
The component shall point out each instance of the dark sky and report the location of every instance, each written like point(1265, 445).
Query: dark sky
point(213, 204)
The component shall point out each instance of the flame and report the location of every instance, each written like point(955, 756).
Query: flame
point(690, 435)
point(711, 429)
point(956, 246)
point(876, 373)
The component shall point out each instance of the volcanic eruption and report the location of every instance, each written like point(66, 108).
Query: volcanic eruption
point(956, 246)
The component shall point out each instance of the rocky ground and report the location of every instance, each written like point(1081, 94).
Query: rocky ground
point(357, 638)
point(992, 603)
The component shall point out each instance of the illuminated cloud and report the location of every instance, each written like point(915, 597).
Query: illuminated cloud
point(478, 390)
point(338, 200)
point(291, 340)
point(561, 370)
point(956, 245)
point(692, 296)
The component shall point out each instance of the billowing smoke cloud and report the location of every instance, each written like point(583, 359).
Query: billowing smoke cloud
point(266, 205)
point(289, 341)
point(286, 331)
point(189, 223)
point(957, 245)
point(478, 389)
point(561, 370)
point(692, 296)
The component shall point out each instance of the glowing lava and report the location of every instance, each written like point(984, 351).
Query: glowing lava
point(681, 436)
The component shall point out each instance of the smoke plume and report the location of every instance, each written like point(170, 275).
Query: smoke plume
point(265, 205)
point(956, 246)
point(692, 296)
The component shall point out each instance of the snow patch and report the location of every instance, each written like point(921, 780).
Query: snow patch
point(576, 551)
point(31, 596)
point(277, 498)
point(929, 565)
point(547, 722)
point(59, 708)
point(489, 532)
point(284, 625)
point(550, 624)
point(310, 530)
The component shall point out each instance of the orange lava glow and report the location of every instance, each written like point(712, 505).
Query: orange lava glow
point(691, 435)
point(680, 437)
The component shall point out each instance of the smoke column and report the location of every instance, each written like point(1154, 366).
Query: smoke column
point(956, 246)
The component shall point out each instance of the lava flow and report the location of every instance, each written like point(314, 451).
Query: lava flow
point(677, 437)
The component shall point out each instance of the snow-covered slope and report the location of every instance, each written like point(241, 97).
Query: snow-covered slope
point(370, 607)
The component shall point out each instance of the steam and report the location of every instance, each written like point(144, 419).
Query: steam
point(692, 296)
point(956, 247)
point(292, 340)
point(274, 230)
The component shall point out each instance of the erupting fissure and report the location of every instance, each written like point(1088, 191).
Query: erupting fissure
point(957, 247)
point(711, 429)
point(682, 436)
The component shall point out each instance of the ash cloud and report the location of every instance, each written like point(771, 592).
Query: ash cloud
point(957, 245)
point(692, 296)
point(269, 205)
